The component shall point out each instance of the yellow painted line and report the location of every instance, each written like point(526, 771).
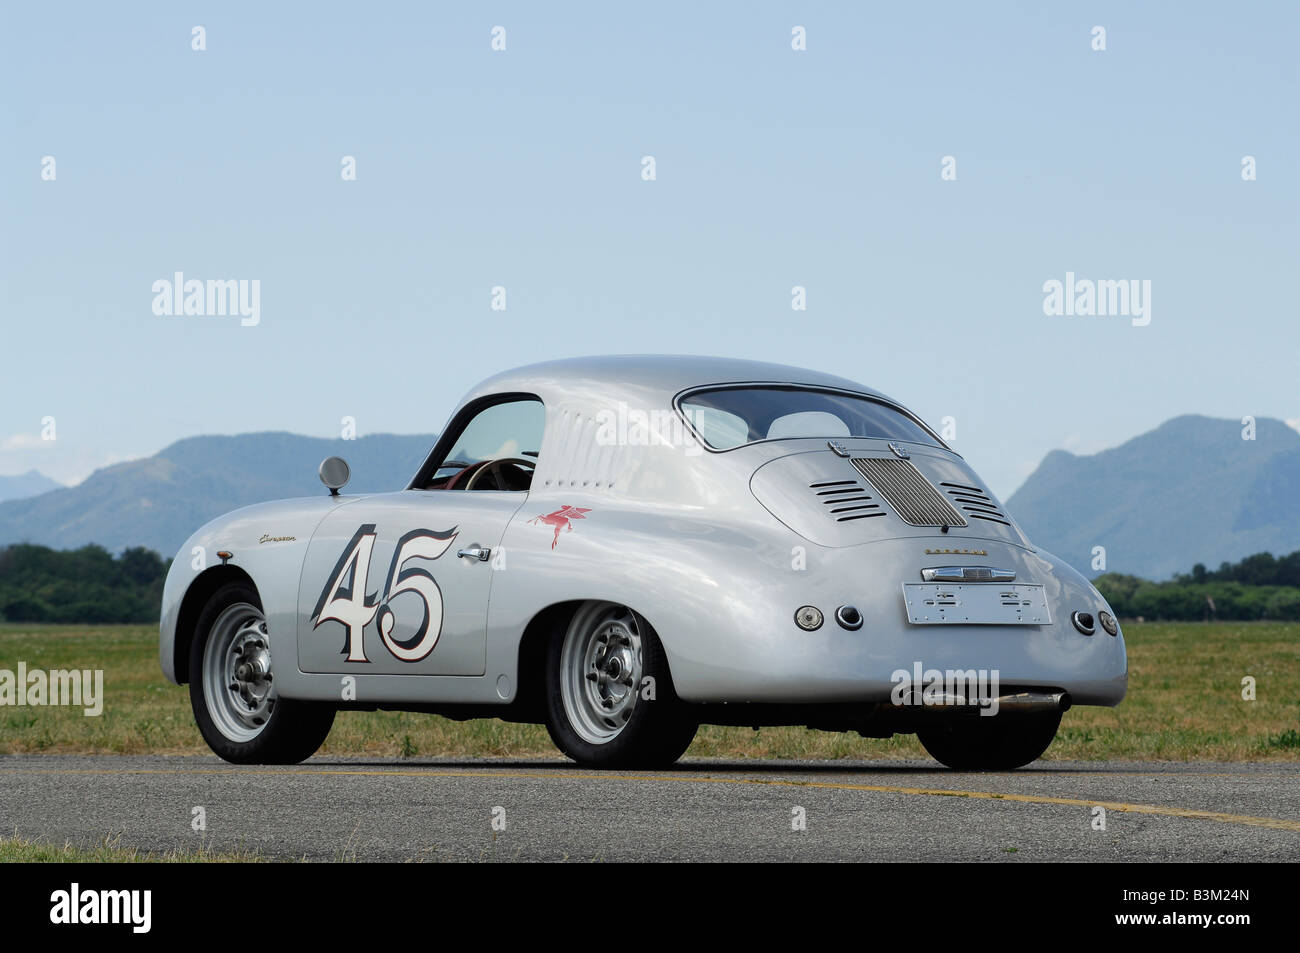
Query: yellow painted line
point(1273, 823)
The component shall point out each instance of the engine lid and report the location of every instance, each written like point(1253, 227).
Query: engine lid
point(861, 491)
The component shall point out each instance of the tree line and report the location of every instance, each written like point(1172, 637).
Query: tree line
point(1258, 587)
point(86, 585)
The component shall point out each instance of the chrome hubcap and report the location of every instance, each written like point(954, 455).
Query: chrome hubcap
point(600, 666)
point(238, 684)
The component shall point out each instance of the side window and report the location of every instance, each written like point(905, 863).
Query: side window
point(495, 450)
point(719, 428)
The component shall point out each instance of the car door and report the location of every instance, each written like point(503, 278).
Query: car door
point(398, 583)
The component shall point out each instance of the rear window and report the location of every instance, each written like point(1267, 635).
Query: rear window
point(728, 417)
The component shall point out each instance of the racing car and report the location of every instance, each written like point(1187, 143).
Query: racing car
point(624, 548)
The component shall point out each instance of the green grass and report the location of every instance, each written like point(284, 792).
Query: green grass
point(1184, 703)
point(20, 850)
point(1289, 739)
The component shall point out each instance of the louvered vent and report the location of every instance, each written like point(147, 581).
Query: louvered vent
point(912, 496)
point(846, 500)
point(975, 503)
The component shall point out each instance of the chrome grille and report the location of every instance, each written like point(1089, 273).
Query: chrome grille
point(913, 497)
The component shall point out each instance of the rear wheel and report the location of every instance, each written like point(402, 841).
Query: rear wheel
point(609, 696)
point(233, 692)
point(997, 743)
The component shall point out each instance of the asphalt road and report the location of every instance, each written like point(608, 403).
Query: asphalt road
point(362, 809)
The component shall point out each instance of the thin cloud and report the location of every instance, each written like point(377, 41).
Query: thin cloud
point(24, 442)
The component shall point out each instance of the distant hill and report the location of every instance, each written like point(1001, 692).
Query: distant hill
point(1190, 491)
point(158, 501)
point(31, 483)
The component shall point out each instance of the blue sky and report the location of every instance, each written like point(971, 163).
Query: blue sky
point(522, 169)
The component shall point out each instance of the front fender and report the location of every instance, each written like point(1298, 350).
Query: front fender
point(266, 544)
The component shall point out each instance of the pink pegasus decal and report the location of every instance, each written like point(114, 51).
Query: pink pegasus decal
point(560, 519)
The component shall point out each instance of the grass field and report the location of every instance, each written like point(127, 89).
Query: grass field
point(21, 850)
point(1184, 703)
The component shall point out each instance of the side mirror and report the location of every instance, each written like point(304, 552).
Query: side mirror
point(334, 473)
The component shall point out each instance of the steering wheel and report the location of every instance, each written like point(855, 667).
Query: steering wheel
point(493, 466)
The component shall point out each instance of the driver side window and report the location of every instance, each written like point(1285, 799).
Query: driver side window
point(496, 450)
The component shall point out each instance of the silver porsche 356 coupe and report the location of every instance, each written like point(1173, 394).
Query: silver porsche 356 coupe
point(625, 548)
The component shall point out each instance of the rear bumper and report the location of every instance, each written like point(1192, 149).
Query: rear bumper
point(758, 654)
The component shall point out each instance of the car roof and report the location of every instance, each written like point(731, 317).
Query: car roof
point(642, 375)
point(578, 391)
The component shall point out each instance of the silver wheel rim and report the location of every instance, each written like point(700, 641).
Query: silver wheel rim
point(238, 685)
point(600, 671)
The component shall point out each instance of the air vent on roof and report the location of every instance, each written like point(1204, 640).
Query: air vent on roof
point(975, 503)
point(912, 496)
point(845, 500)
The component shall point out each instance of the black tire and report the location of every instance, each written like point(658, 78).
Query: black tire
point(657, 731)
point(998, 743)
point(294, 730)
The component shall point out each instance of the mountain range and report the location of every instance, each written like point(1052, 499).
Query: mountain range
point(1190, 491)
point(158, 501)
point(23, 485)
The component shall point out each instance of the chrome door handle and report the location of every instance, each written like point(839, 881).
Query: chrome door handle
point(475, 552)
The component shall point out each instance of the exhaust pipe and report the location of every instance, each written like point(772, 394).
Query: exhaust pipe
point(1035, 701)
point(1022, 702)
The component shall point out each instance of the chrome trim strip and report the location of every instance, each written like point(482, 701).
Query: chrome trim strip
point(967, 574)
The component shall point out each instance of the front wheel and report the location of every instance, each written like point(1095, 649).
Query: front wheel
point(232, 687)
point(996, 743)
point(609, 696)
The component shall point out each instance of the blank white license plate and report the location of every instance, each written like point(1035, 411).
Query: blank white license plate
point(931, 603)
